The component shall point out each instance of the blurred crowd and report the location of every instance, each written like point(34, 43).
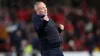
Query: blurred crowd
point(17, 34)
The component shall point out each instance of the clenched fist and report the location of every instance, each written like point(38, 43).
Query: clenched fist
point(46, 18)
point(61, 26)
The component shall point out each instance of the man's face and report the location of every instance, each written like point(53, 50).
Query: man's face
point(41, 9)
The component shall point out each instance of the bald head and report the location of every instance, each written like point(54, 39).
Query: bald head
point(37, 4)
point(40, 8)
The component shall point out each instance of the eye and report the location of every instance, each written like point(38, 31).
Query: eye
point(44, 7)
point(40, 8)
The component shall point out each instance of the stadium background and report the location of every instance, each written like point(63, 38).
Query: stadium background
point(79, 17)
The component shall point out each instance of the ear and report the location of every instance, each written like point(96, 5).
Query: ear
point(36, 10)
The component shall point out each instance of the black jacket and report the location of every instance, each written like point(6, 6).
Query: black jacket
point(47, 31)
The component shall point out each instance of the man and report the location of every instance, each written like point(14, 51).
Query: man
point(47, 31)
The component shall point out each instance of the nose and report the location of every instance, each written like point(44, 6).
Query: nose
point(45, 9)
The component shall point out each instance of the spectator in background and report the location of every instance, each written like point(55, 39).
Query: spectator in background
point(90, 42)
point(35, 41)
point(88, 27)
point(15, 34)
point(57, 14)
point(52, 13)
point(60, 17)
point(97, 40)
point(69, 28)
point(79, 44)
point(3, 36)
point(17, 42)
point(72, 17)
point(80, 27)
point(91, 15)
point(23, 14)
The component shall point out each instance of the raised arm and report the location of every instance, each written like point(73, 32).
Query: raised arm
point(40, 23)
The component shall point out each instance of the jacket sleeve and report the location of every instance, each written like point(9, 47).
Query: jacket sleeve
point(59, 30)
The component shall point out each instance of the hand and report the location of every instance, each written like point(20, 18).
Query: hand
point(46, 18)
point(61, 26)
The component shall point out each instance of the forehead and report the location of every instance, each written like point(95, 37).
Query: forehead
point(41, 5)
